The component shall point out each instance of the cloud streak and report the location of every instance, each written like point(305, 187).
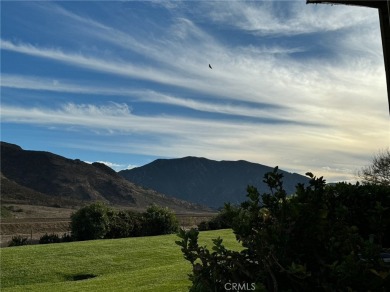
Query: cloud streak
point(187, 136)
point(272, 96)
point(287, 17)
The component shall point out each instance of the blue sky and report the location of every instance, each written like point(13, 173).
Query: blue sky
point(126, 82)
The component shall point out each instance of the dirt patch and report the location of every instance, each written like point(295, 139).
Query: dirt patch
point(33, 222)
point(20, 211)
point(32, 230)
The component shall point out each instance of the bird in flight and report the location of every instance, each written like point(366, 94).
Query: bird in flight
point(210, 66)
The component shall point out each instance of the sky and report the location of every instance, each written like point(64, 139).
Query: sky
point(292, 85)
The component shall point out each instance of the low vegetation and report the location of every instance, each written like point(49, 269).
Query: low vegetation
point(8, 211)
point(49, 238)
point(98, 221)
point(223, 220)
point(324, 238)
point(18, 240)
point(129, 264)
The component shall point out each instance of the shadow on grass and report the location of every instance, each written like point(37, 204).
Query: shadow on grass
point(80, 277)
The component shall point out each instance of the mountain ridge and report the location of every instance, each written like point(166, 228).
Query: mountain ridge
point(44, 176)
point(204, 181)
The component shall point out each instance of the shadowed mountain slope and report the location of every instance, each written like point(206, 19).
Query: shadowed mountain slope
point(37, 177)
point(204, 181)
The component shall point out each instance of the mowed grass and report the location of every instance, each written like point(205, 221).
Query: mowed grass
point(130, 264)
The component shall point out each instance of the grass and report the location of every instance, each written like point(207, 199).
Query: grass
point(130, 264)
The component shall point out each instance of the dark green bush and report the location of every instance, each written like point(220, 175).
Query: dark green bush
point(323, 238)
point(158, 220)
point(90, 222)
point(222, 221)
point(18, 241)
point(99, 221)
point(203, 226)
point(124, 224)
point(49, 238)
point(154, 221)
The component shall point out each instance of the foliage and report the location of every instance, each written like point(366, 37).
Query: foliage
point(49, 238)
point(325, 238)
point(67, 238)
point(90, 222)
point(100, 221)
point(124, 224)
point(379, 171)
point(158, 220)
point(18, 241)
point(223, 220)
point(54, 238)
point(154, 221)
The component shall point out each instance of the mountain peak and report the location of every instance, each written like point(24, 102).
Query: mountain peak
point(204, 181)
point(10, 146)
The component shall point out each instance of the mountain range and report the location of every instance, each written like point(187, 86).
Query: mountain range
point(38, 177)
point(206, 182)
point(189, 184)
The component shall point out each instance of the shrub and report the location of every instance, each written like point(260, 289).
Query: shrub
point(124, 224)
point(99, 221)
point(315, 240)
point(203, 226)
point(90, 222)
point(66, 237)
point(158, 220)
point(18, 241)
point(222, 221)
point(49, 238)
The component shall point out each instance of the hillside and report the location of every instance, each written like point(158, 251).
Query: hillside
point(205, 181)
point(37, 177)
point(12, 192)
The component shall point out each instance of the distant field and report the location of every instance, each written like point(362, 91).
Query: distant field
point(131, 264)
point(34, 221)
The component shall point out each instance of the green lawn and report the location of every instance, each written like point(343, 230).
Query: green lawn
point(130, 264)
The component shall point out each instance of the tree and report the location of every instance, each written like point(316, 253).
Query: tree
point(323, 238)
point(90, 222)
point(379, 171)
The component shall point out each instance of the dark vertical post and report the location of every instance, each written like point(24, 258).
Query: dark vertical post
point(384, 20)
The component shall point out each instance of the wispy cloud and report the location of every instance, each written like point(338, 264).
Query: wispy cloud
point(117, 117)
point(113, 67)
point(298, 107)
point(264, 111)
point(285, 18)
point(180, 136)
